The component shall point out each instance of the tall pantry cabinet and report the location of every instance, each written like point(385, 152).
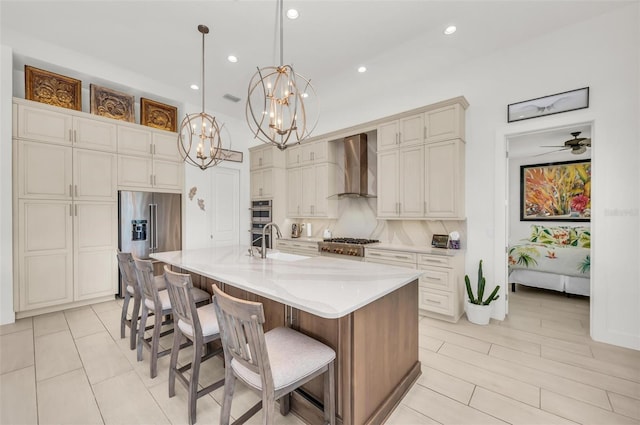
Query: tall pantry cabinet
point(65, 204)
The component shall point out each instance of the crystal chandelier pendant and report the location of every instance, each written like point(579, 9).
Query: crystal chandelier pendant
point(199, 141)
point(281, 104)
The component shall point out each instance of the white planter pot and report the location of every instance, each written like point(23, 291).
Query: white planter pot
point(478, 314)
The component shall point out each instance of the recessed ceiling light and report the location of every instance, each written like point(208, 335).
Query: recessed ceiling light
point(232, 59)
point(362, 69)
point(194, 87)
point(450, 30)
point(292, 14)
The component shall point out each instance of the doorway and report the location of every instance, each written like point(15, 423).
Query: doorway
point(549, 258)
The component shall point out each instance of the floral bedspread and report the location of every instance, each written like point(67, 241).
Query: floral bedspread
point(565, 260)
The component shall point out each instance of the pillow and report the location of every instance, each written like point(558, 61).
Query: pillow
point(561, 235)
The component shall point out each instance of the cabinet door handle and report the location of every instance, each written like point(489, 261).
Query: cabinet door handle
point(151, 148)
point(76, 209)
point(151, 179)
point(70, 210)
point(75, 189)
point(154, 148)
point(75, 136)
point(70, 190)
point(71, 135)
point(433, 302)
point(424, 135)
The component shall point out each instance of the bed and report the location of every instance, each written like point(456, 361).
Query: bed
point(556, 258)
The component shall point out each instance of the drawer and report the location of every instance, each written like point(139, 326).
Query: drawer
point(304, 248)
point(436, 301)
point(437, 278)
point(435, 260)
point(390, 262)
point(399, 256)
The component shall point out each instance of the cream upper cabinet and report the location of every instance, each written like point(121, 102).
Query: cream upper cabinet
point(444, 123)
point(39, 123)
point(294, 156)
point(262, 183)
point(44, 170)
point(135, 141)
point(49, 171)
point(310, 153)
point(294, 192)
point(444, 190)
point(42, 124)
point(388, 183)
point(403, 132)
point(308, 191)
point(165, 146)
point(45, 253)
point(266, 156)
point(94, 134)
point(401, 183)
point(149, 159)
point(388, 135)
point(95, 236)
point(94, 175)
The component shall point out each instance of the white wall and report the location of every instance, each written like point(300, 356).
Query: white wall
point(6, 221)
point(602, 53)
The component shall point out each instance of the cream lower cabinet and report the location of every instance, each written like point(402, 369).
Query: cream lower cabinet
point(66, 252)
point(401, 183)
point(441, 290)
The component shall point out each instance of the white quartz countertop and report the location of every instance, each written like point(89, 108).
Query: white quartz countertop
point(325, 286)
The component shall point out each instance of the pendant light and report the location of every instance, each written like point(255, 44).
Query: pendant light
point(279, 102)
point(199, 140)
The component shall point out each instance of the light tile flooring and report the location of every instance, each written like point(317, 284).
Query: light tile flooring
point(537, 367)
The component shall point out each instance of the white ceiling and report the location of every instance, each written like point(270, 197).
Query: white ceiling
point(330, 39)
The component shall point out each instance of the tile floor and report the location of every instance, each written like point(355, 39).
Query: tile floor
point(538, 366)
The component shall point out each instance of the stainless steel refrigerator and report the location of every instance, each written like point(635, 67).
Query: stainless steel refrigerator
point(149, 222)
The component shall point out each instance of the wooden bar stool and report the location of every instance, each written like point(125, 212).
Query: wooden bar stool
point(155, 301)
point(198, 325)
point(131, 290)
point(271, 364)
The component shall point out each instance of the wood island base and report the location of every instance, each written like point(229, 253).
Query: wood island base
point(376, 353)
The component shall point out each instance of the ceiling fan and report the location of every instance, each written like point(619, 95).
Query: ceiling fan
point(577, 145)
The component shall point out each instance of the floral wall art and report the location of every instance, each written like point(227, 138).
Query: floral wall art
point(558, 191)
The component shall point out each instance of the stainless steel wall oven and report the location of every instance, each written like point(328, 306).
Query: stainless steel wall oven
point(261, 214)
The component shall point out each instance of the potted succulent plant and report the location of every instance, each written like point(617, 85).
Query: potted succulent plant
point(478, 310)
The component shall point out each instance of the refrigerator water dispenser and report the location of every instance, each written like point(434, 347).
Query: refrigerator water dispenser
point(138, 230)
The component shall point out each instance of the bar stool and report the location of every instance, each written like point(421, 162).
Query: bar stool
point(131, 290)
point(272, 364)
point(198, 325)
point(155, 301)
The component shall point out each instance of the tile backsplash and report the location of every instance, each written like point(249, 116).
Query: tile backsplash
point(357, 219)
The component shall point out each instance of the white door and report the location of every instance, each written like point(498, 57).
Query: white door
point(225, 189)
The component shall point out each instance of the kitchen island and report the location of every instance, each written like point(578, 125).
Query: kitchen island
point(368, 313)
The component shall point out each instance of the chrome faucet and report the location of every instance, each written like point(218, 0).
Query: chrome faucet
point(263, 252)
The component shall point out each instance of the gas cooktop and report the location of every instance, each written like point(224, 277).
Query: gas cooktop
point(344, 246)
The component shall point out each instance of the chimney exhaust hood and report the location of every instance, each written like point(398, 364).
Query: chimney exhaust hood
point(355, 168)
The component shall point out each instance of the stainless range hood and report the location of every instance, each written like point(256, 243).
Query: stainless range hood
point(355, 168)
